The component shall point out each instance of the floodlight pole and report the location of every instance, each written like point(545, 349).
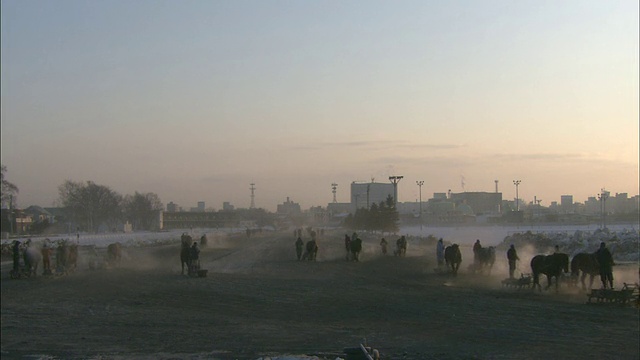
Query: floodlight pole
point(420, 183)
point(516, 183)
point(395, 179)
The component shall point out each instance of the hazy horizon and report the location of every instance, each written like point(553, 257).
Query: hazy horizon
point(195, 101)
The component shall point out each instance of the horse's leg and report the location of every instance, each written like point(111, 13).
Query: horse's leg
point(584, 275)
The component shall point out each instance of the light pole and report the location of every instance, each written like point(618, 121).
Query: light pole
point(604, 194)
point(395, 179)
point(516, 183)
point(420, 183)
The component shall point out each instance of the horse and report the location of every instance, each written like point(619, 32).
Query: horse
point(551, 265)
point(114, 253)
point(311, 251)
point(62, 257)
point(32, 257)
point(453, 257)
point(486, 257)
point(355, 247)
point(588, 264)
point(185, 251)
point(401, 247)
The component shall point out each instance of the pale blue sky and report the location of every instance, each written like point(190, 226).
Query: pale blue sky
point(195, 100)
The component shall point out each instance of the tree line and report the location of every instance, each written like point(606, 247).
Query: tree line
point(93, 205)
point(381, 217)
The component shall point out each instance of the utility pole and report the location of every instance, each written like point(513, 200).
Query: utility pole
point(253, 202)
point(395, 179)
point(420, 183)
point(516, 183)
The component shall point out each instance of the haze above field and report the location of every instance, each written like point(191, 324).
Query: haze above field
point(194, 101)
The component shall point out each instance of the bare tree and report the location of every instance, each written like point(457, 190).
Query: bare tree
point(90, 204)
point(142, 209)
point(8, 190)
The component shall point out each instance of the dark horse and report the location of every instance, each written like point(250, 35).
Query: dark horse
point(486, 259)
point(551, 265)
point(185, 252)
point(453, 257)
point(588, 264)
point(311, 248)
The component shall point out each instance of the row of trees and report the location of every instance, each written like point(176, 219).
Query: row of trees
point(381, 217)
point(93, 205)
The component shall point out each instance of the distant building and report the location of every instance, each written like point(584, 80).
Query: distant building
point(226, 206)
point(201, 206)
point(339, 208)
point(566, 203)
point(289, 208)
point(171, 207)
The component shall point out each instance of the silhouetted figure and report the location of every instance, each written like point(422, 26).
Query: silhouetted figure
point(383, 246)
point(440, 252)
point(46, 256)
point(476, 251)
point(347, 245)
point(16, 256)
point(605, 260)
point(512, 257)
point(203, 240)
point(299, 246)
point(194, 257)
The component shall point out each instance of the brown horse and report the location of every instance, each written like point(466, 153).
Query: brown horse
point(453, 257)
point(114, 253)
point(551, 265)
point(66, 257)
point(588, 264)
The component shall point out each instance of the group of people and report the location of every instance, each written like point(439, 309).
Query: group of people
point(307, 251)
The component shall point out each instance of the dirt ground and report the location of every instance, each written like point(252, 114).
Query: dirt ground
point(258, 301)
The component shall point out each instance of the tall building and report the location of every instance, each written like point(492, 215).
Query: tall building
point(201, 206)
point(364, 194)
point(171, 207)
point(566, 203)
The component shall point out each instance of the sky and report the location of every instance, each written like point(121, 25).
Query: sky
point(195, 101)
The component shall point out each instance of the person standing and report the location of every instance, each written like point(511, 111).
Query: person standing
point(440, 252)
point(299, 246)
point(476, 251)
point(605, 260)
point(347, 244)
point(194, 257)
point(512, 257)
point(16, 257)
point(383, 246)
point(203, 241)
point(46, 254)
